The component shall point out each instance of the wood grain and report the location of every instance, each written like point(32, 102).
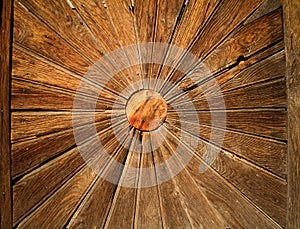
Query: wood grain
point(5, 74)
point(292, 34)
point(55, 212)
point(30, 154)
point(192, 201)
point(122, 210)
point(31, 67)
point(258, 185)
point(71, 28)
point(34, 35)
point(36, 187)
point(148, 210)
point(223, 196)
point(28, 125)
point(242, 43)
point(168, 17)
point(266, 123)
point(101, 194)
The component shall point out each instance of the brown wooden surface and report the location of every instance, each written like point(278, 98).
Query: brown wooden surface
point(292, 42)
point(246, 185)
point(5, 73)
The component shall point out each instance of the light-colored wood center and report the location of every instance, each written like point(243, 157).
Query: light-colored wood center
point(146, 110)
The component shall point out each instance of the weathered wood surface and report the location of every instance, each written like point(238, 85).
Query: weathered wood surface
point(244, 42)
point(101, 194)
point(31, 33)
point(56, 211)
point(248, 62)
point(292, 42)
point(5, 73)
point(218, 192)
point(258, 185)
point(34, 188)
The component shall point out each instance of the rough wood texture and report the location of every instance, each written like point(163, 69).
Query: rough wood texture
point(292, 41)
point(56, 42)
point(56, 211)
point(5, 72)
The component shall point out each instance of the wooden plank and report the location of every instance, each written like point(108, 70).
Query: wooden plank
point(198, 209)
point(237, 210)
point(32, 153)
point(71, 28)
point(55, 212)
point(37, 186)
point(261, 95)
point(121, 14)
point(266, 123)
point(28, 95)
point(270, 68)
point(211, 186)
point(195, 13)
point(101, 194)
point(145, 13)
point(258, 185)
point(267, 7)
point(292, 34)
point(168, 17)
point(33, 68)
point(122, 211)
point(5, 73)
point(244, 42)
point(148, 212)
point(27, 125)
point(94, 13)
point(32, 34)
point(268, 154)
point(235, 12)
point(249, 69)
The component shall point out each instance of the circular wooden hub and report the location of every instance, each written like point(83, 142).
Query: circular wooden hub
point(146, 110)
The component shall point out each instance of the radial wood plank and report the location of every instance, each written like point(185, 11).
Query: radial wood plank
point(167, 18)
point(246, 41)
point(28, 95)
point(292, 34)
point(122, 17)
point(248, 70)
point(268, 154)
point(148, 211)
point(272, 67)
point(28, 66)
point(261, 95)
point(55, 212)
point(37, 186)
point(218, 190)
point(5, 74)
point(145, 13)
point(31, 33)
point(34, 124)
point(70, 28)
point(193, 12)
point(94, 14)
point(255, 183)
point(266, 123)
point(235, 12)
point(242, 44)
point(30, 154)
point(101, 194)
point(267, 7)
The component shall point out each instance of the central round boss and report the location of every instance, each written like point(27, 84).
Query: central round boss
point(146, 110)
